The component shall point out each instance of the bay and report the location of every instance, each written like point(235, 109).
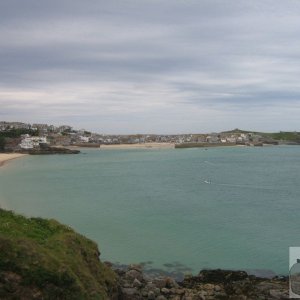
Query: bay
point(176, 209)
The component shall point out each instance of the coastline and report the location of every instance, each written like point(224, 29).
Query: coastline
point(140, 146)
point(5, 157)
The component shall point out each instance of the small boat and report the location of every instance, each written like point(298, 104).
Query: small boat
point(207, 181)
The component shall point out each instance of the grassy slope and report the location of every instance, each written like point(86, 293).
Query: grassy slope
point(282, 135)
point(286, 136)
point(43, 259)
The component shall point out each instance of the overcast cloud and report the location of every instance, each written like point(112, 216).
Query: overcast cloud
point(151, 66)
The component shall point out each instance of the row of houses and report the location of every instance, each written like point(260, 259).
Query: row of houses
point(42, 128)
point(80, 138)
point(65, 135)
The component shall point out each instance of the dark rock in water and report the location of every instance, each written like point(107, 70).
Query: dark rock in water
point(220, 276)
point(51, 150)
point(135, 267)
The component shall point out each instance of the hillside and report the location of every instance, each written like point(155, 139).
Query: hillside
point(290, 136)
point(42, 259)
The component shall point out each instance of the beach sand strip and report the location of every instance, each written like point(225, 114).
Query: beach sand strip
point(4, 157)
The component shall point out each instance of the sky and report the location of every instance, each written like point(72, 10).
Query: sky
point(151, 66)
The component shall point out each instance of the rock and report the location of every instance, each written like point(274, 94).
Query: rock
point(202, 297)
point(171, 283)
point(180, 291)
point(156, 291)
point(51, 150)
point(175, 297)
point(135, 267)
point(165, 291)
point(217, 288)
point(137, 283)
point(150, 286)
point(232, 285)
point(160, 282)
point(275, 294)
point(129, 293)
point(209, 286)
point(220, 276)
point(144, 293)
point(131, 275)
point(238, 297)
point(108, 264)
point(151, 295)
point(161, 298)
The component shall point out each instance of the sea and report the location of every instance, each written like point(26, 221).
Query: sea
point(174, 210)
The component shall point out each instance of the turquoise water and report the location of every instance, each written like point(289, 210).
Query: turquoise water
point(154, 205)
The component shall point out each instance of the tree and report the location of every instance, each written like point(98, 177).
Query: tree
point(2, 143)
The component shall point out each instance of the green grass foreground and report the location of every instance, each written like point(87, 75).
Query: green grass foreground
point(42, 259)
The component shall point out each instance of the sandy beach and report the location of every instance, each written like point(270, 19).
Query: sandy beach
point(139, 146)
point(4, 157)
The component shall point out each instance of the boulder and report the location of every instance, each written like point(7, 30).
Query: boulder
point(131, 275)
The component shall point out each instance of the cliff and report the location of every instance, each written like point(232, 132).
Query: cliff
point(42, 259)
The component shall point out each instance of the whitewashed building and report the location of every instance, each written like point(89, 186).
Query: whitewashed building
point(30, 142)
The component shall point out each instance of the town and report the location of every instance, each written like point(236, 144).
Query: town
point(18, 136)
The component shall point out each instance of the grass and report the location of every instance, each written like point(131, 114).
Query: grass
point(286, 136)
point(51, 259)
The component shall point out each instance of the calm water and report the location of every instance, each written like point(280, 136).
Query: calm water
point(234, 208)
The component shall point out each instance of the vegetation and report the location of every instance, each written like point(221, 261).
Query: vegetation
point(286, 136)
point(2, 143)
point(14, 133)
point(46, 260)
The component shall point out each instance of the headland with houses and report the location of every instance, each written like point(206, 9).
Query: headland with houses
point(31, 138)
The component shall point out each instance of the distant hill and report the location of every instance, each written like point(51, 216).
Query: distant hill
point(292, 136)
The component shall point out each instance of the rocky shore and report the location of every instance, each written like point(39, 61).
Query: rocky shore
point(134, 284)
point(50, 150)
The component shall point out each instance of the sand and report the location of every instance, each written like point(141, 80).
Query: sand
point(4, 157)
point(139, 146)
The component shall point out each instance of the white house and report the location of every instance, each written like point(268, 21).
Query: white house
point(30, 142)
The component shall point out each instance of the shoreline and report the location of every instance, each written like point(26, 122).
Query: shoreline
point(139, 146)
point(135, 284)
point(6, 157)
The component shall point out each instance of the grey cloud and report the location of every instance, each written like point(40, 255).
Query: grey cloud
point(167, 61)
